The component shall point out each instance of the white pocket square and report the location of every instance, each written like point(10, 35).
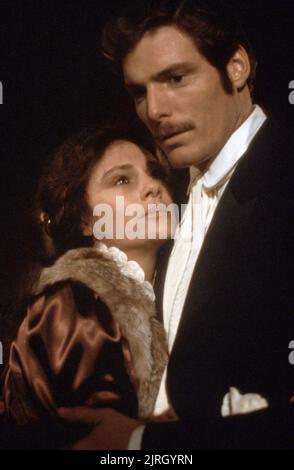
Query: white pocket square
point(234, 403)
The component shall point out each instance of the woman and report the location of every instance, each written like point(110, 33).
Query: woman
point(89, 336)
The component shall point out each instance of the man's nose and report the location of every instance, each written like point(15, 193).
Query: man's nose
point(157, 103)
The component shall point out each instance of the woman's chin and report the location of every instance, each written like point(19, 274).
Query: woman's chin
point(145, 244)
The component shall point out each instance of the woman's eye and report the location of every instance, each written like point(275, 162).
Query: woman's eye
point(121, 180)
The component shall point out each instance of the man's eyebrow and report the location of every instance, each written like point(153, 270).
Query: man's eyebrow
point(174, 68)
point(125, 167)
point(133, 88)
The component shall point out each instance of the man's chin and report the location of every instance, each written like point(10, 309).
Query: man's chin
point(179, 157)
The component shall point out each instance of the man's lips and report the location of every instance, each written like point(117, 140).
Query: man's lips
point(167, 137)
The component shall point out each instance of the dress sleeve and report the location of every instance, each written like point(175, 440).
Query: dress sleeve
point(68, 352)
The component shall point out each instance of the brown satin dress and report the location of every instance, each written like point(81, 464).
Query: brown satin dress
point(69, 351)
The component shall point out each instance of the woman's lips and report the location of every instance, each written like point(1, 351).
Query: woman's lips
point(156, 210)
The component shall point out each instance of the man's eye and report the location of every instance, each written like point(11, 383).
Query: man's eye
point(138, 97)
point(121, 180)
point(137, 94)
point(176, 79)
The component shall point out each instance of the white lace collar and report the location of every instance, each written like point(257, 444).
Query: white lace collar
point(131, 269)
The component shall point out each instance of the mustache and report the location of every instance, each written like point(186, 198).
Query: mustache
point(166, 130)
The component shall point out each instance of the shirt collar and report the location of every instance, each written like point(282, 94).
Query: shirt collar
point(233, 150)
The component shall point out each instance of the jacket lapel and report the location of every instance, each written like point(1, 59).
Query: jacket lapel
point(161, 268)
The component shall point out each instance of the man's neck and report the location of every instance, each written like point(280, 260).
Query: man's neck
point(242, 117)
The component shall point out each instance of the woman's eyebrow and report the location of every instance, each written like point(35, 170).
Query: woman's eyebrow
point(125, 167)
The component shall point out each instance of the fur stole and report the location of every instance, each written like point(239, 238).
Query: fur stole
point(132, 306)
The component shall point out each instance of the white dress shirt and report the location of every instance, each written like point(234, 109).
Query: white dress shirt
point(205, 191)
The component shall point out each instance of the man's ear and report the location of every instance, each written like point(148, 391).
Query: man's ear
point(239, 68)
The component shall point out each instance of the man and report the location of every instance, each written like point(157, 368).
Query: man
point(226, 298)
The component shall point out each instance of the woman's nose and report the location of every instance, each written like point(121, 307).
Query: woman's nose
point(151, 190)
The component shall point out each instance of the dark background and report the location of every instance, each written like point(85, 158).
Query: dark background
point(55, 82)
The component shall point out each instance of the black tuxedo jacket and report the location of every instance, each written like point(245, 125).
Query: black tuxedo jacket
point(238, 318)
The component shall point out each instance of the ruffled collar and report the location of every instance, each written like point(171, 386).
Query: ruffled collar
point(129, 268)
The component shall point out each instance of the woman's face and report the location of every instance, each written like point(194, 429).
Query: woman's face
point(118, 181)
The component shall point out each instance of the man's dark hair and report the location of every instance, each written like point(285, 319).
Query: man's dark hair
point(212, 24)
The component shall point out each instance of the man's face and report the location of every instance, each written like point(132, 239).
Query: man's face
point(180, 97)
